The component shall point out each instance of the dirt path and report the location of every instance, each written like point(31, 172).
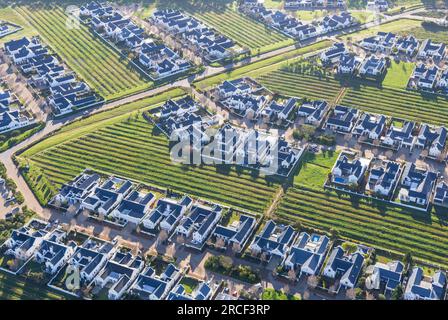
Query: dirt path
point(277, 197)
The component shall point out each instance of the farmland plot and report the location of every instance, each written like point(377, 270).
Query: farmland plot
point(110, 74)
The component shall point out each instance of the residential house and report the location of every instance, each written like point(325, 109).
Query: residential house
point(417, 185)
point(383, 178)
point(78, 189)
point(400, 134)
point(238, 232)
point(441, 194)
point(433, 139)
point(370, 126)
point(247, 106)
point(377, 5)
point(134, 207)
point(89, 261)
point(177, 108)
point(382, 42)
point(53, 255)
point(407, 45)
point(421, 287)
point(342, 119)
point(334, 53)
point(22, 244)
point(205, 41)
point(373, 67)
point(424, 77)
point(387, 276)
point(349, 170)
point(273, 240)
point(119, 273)
point(348, 64)
point(307, 254)
point(234, 87)
point(279, 111)
point(314, 112)
point(344, 266)
point(13, 120)
point(107, 196)
point(149, 286)
point(202, 292)
point(430, 49)
point(167, 214)
point(199, 224)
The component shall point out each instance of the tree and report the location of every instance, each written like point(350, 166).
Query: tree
point(236, 247)
point(397, 293)
point(408, 260)
point(359, 293)
point(298, 225)
point(334, 233)
point(12, 264)
point(350, 294)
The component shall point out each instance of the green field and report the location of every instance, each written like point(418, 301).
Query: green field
point(260, 67)
point(391, 98)
point(17, 288)
point(371, 223)
point(429, 31)
point(301, 84)
point(246, 32)
point(127, 146)
point(393, 26)
point(224, 17)
point(92, 59)
point(398, 74)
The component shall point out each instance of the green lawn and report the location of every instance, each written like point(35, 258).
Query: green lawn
point(24, 134)
point(363, 16)
point(314, 168)
point(189, 284)
point(271, 294)
point(91, 58)
point(369, 222)
point(398, 74)
point(274, 4)
point(17, 288)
